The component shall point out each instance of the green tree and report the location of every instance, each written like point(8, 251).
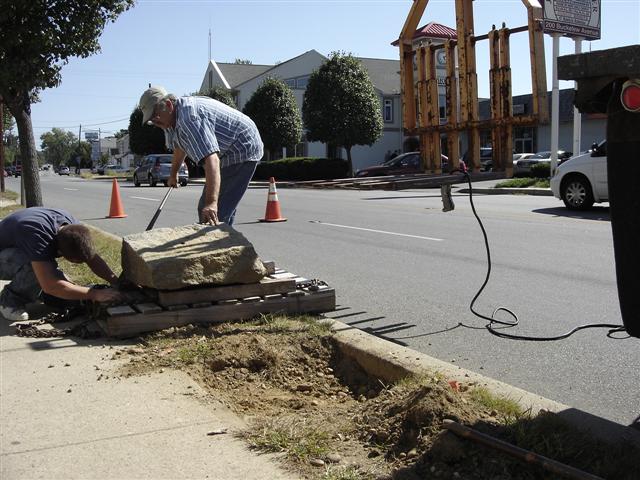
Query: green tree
point(275, 112)
point(242, 61)
point(82, 150)
point(222, 95)
point(121, 133)
point(340, 105)
point(37, 38)
point(144, 139)
point(58, 146)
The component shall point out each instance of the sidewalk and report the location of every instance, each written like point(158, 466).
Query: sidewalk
point(67, 414)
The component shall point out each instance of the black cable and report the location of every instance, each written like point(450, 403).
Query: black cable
point(492, 320)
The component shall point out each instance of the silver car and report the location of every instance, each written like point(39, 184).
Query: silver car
point(157, 168)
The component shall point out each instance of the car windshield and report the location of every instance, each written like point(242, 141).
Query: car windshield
point(542, 155)
point(164, 159)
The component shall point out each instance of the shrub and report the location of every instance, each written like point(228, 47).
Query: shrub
point(302, 168)
point(541, 170)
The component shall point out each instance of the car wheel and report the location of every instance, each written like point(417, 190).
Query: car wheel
point(165, 183)
point(152, 181)
point(183, 183)
point(577, 193)
point(136, 181)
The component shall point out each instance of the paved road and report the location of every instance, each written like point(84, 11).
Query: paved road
point(405, 270)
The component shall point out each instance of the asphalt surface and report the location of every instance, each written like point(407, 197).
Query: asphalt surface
point(406, 271)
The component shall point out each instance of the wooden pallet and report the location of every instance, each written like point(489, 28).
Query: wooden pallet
point(220, 304)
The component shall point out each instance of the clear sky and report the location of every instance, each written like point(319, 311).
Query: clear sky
point(166, 42)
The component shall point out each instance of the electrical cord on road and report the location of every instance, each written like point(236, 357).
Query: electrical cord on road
point(505, 323)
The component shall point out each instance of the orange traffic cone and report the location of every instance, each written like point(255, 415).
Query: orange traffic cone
point(116, 210)
point(272, 213)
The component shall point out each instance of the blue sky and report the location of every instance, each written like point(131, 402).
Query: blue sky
point(165, 42)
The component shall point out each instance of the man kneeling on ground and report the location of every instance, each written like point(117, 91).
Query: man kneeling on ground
point(30, 241)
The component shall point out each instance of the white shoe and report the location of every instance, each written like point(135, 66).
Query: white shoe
point(14, 314)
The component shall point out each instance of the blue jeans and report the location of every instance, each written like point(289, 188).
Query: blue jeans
point(234, 181)
point(24, 287)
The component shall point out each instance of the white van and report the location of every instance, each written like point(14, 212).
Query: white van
point(581, 181)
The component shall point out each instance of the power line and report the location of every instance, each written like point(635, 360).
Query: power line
point(87, 124)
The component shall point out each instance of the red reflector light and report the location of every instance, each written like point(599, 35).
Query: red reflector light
point(630, 95)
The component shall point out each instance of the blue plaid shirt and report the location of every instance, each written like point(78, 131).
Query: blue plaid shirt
point(205, 126)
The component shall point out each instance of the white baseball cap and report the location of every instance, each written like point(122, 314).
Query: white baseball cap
point(148, 101)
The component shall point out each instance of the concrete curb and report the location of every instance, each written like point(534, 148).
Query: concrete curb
point(391, 362)
point(545, 192)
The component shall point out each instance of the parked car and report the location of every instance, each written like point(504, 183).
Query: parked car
point(157, 168)
point(17, 170)
point(486, 158)
point(401, 165)
point(102, 169)
point(523, 166)
point(582, 180)
point(64, 170)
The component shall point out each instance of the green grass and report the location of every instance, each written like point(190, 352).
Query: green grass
point(507, 408)
point(348, 472)
point(299, 441)
point(524, 183)
point(9, 195)
point(274, 323)
point(191, 353)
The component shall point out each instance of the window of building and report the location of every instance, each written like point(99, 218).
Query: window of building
point(291, 82)
point(301, 82)
point(388, 110)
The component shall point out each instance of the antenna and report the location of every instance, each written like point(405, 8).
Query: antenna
point(209, 44)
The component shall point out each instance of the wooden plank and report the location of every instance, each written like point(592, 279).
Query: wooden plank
point(147, 308)
point(129, 325)
point(282, 276)
point(213, 294)
point(119, 311)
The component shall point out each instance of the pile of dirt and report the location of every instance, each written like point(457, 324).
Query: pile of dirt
point(302, 397)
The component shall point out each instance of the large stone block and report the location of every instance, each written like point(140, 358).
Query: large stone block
point(179, 257)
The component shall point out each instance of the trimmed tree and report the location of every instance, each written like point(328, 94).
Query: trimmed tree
point(37, 37)
point(222, 95)
point(275, 112)
point(341, 106)
point(144, 139)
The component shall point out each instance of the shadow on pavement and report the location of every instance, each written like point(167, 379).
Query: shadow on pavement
point(596, 213)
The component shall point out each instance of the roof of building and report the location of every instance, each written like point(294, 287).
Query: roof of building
point(433, 30)
point(237, 73)
point(384, 74)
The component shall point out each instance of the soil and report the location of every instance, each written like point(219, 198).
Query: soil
point(331, 420)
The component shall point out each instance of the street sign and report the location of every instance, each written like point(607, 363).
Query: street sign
point(91, 136)
point(574, 18)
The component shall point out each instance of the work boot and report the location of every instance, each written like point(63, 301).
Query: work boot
point(14, 314)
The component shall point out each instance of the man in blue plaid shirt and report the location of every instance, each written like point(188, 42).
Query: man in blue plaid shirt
point(225, 141)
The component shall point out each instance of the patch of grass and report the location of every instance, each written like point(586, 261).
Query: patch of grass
point(524, 183)
point(86, 175)
point(509, 409)
point(299, 441)
point(9, 209)
point(349, 472)
point(274, 323)
point(109, 248)
point(10, 195)
point(190, 353)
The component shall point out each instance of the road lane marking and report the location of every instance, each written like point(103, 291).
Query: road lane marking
point(379, 231)
point(145, 198)
point(72, 189)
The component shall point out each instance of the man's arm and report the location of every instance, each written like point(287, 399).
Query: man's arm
point(209, 213)
point(52, 284)
point(176, 162)
point(101, 269)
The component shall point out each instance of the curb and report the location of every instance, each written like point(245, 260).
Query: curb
point(391, 362)
point(544, 192)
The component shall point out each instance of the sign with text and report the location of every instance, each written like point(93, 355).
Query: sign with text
point(574, 18)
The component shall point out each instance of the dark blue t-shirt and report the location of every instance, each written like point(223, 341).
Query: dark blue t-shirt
point(33, 230)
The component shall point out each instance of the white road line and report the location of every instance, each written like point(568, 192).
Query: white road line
point(145, 198)
point(379, 231)
point(72, 189)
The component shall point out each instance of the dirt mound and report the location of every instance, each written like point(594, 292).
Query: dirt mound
point(329, 419)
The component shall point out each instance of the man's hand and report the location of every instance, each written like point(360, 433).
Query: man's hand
point(172, 181)
point(209, 214)
point(104, 295)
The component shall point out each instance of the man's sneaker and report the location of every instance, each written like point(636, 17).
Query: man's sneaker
point(13, 314)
